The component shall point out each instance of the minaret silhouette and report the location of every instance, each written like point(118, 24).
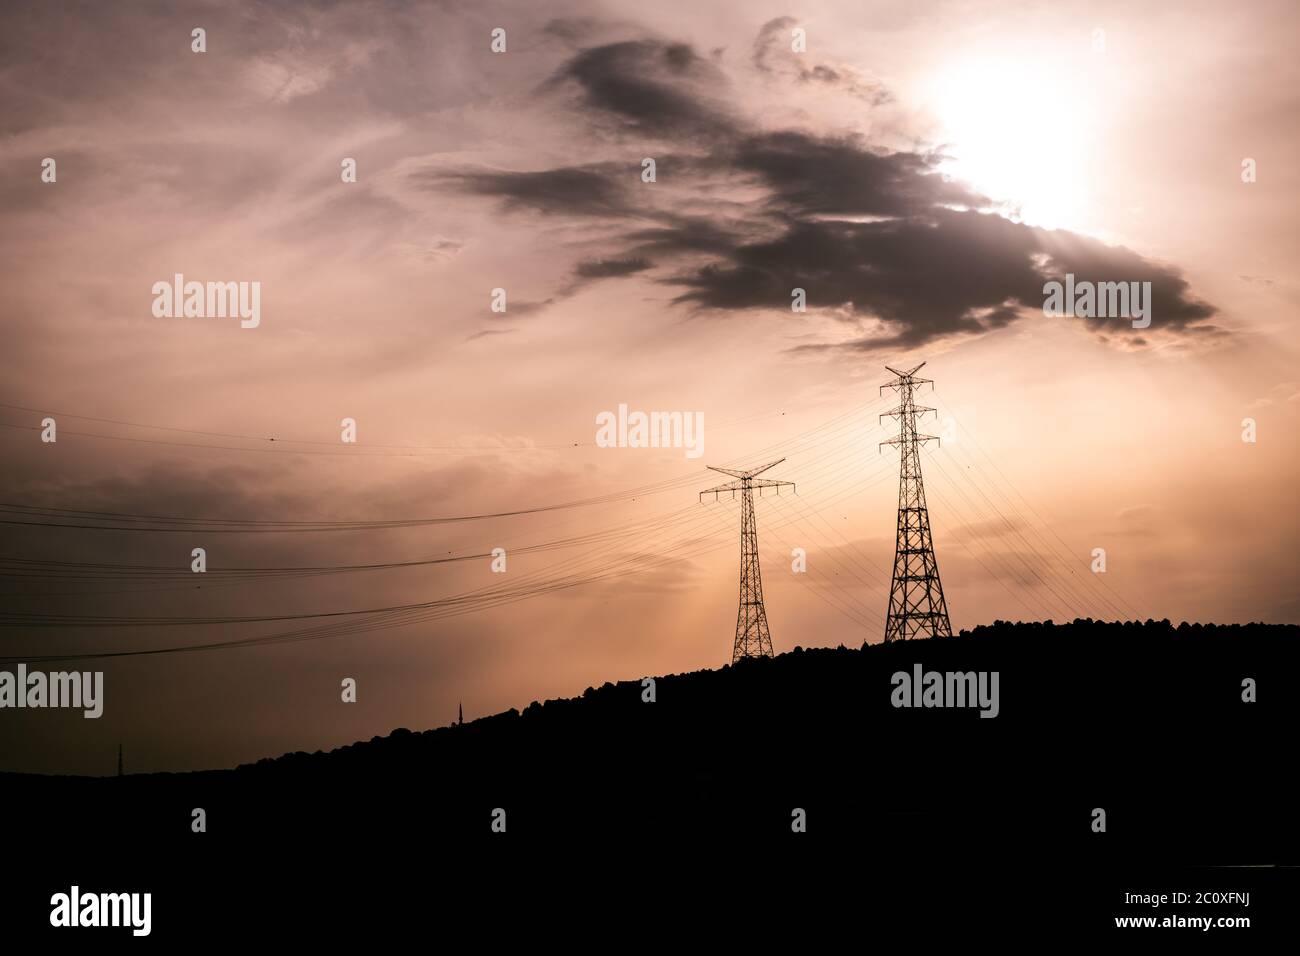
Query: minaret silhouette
point(119, 761)
point(460, 713)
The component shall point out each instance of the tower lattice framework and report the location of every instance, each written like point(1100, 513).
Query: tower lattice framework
point(753, 637)
point(916, 603)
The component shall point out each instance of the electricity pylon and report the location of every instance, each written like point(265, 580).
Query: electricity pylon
point(753, 639)
point(916, 604)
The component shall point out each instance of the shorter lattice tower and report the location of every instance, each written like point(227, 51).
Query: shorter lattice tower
point(753, 638)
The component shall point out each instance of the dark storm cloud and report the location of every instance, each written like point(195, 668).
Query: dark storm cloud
point(810, 176)
point(926, 278)
point(875, 237)
point(1172, 304)
point(652, 87)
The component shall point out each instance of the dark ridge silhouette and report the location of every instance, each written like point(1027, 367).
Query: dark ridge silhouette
point(1145, 721)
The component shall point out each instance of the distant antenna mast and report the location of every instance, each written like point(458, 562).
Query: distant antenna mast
point(916, 604)
point(753, 639)
point(119, 761)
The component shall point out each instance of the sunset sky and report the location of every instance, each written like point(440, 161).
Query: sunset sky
point(920, 170)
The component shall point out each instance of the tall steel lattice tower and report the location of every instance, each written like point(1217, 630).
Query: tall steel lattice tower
point(916, 604)
point(753, 639)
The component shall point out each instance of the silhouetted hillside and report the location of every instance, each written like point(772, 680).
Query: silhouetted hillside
point(1145, 721)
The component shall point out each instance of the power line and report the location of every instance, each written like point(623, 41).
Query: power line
point(593, 568)
point(169, 524)
point(1094, 581)
point(384, 619)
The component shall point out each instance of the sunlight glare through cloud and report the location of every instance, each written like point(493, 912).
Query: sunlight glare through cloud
point(1019, 132)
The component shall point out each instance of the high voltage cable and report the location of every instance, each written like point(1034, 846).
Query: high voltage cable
point(655, 488)
point(857, 610)
point(1087, 596)
point(1080, 600)
point(799, 516)
point(236, 576)
point(332, 630)
point(455, 611)
point(336, 630)
point(72, 570)
point(104, 622)
point(870, 568)
point(1007, 572)
point(1100, 584)
point(450, 604)
point(441, 608)
point(1006, 559)
point(28, 619)
point(851, 608)
point(290, 572)
point(1027, 564)
point(991, 573)
point(75, 571)
point(62, 517)
point(404, 620)
point(249, 526)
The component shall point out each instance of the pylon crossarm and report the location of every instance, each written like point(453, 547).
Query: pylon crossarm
point(900, 411)
point(746, 474)
point(762, 468)
point(899, 440)
point(908, 383)
point(910, 371)
point(907, 379)
point(729, 486)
